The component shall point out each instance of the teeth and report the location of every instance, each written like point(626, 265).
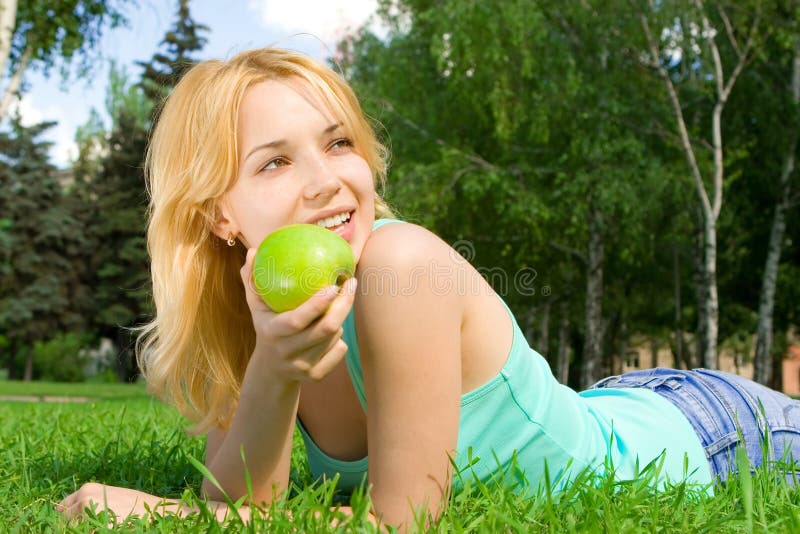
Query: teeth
point(335, 220)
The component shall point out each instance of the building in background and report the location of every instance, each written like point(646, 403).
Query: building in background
point(791, 371)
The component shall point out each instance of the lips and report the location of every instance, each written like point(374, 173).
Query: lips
point(345, 229)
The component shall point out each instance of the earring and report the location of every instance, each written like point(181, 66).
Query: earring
point(231, 240)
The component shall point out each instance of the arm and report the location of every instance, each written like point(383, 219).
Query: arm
point(411, 358)
point(263, 425)
point(297, 345)
point(291, 347)
point(124, 502)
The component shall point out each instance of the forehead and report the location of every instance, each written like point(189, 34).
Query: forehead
point(289, 96)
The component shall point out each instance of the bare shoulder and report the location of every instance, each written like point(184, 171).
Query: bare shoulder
point(406, 244)
point(408, 265)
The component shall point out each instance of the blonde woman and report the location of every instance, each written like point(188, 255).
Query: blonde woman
point(412, 362)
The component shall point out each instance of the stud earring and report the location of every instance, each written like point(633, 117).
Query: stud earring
point(231, 240)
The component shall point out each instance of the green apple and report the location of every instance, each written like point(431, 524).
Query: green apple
point(296, 261)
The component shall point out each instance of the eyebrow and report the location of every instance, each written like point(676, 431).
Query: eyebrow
point(282, 142)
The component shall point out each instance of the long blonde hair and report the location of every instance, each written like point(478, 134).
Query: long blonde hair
point(195, 351)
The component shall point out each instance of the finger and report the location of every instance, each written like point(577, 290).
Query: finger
point(299, 366)
point(61, 507)
point(66, 503)
point(328, 361)
point(300, 355)
point(330, 322)
point(301, 370)
point(293, 321)
point(325, 330)
point(340, 307)
point(75, 509)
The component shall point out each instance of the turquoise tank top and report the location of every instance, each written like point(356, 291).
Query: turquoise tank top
point(523, 419)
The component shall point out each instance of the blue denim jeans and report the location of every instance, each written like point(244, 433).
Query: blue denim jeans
point(727, 412)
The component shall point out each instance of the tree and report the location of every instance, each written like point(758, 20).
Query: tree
point(120, 264)
point(787, 185)
point(42, 33)
point(112, 177)
point(166, 67)
point(529, 155)
point(41, 293)
point(693, 55)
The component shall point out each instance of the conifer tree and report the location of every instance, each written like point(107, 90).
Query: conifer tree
point(168, 65)
point(117, 188)
point(41, 293)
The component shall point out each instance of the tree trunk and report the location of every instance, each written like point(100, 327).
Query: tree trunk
point(8, 21)
point(10, 362)
point(530, 328)
point(593, 346)
point(28, 376)
point(13, 85)
point(700, 288)
point(711, 205)
point(562, 361)
point(763, 357)
point(121, 340)
point(544, 330)
point(676, 269)
point(712, 299)
point(616, 360)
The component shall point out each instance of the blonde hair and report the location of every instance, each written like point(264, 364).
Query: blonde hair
point(195, 351)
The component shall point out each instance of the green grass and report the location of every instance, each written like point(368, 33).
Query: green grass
point(125, 438)
point(95, 391)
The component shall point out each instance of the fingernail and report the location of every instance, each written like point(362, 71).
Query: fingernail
point(331, 291)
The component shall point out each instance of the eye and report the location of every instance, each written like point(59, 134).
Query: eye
point(341, 144)
point(274, 164)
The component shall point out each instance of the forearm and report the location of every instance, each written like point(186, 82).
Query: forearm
point(262, 426)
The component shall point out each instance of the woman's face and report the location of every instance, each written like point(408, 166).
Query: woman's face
point(297, 164)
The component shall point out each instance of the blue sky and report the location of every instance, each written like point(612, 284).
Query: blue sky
point(310, 26)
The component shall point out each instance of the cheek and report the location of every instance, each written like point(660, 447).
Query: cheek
point(259, 211)
point(353, 168)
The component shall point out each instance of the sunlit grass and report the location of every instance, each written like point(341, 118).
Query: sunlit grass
point(47, 450)
point(91, 390)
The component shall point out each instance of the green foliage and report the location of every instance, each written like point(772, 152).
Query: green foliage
point(61, 32)
point(42, 288)
point(110, 183)
point(512, 125)
point(180, 44)
point(61, 358)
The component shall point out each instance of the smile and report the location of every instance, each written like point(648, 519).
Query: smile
point(334, 220)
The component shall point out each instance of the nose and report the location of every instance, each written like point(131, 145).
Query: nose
point(321, 179)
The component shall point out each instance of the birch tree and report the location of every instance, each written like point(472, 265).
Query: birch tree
point(689, 40)
point(785, 200)
point(42, 34)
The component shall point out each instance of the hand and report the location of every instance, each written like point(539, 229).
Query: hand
point(304, 343)
point(123, 502)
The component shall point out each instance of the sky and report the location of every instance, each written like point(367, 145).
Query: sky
point(309, 26)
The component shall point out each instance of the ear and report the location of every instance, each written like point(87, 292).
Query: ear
point(224, 224)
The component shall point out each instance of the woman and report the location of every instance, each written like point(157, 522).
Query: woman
point(413, 362)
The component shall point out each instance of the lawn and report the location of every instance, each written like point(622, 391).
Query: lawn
point(123, 437)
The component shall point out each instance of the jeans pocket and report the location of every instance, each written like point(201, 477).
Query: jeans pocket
point(650, 378)
point(671, 380)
